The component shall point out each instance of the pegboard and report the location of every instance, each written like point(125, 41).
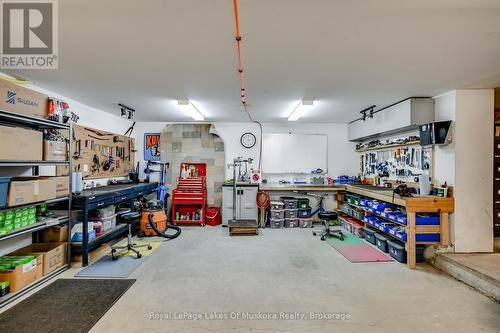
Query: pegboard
point(93, 149)
point(404, 163)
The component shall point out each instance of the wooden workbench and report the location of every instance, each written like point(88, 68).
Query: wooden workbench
point(415, 204)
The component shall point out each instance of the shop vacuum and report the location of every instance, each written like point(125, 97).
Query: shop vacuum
point(154, 217)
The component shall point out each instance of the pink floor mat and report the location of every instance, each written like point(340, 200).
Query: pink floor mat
point(362, 253)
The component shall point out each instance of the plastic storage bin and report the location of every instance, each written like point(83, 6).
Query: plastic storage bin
point(277, 205)
point(427, 237)
point(358, 214)
point(290, 202)
point(306, 222)
point(302, 203)
point(402, 219)
point(358, 230)
point(348, 226)
point(276, 223)
point(427, 219)
point(398, 252)
point(304, 212)
point(353, 199)
point(277, 214)
point(4, 189)
point(381, 242)
point(370, 236)
point(291, 213)
point(292, 223)
point(363, 202)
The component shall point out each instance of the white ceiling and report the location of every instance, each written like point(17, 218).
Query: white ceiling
point(344, 54)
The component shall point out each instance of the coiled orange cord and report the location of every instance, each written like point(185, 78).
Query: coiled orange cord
point(242, 75)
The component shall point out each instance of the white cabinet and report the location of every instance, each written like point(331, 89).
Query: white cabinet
point(246, 202)
point(397, 118)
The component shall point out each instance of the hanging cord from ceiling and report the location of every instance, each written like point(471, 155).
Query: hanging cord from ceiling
point(242, 77)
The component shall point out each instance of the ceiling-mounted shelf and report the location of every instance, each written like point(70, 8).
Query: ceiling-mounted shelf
point(396, 145)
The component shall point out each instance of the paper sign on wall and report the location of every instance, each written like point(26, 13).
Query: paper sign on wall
point(152, 146)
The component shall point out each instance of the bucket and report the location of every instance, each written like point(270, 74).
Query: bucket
point(212, 216)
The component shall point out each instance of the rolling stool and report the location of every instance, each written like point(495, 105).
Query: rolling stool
point(325, 218)
point(129, 219)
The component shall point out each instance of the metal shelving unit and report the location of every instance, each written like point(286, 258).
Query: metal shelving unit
point(24, 121)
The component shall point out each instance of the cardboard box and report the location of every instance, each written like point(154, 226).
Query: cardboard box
point(55, 151)
point(53, 255)
point(62, 170)
point(56, 234)
point(21, 191)
point(23, 275)
point(20, 144)
point(22, 100)
point(24, 190)
point(62, 186)
point(45, 189)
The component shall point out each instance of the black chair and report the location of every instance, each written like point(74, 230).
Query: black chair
point(325, 218)
point(130, 219)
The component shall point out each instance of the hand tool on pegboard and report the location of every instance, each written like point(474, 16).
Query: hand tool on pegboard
point(98, 133)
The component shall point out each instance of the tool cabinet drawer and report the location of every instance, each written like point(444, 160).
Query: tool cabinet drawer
point(101, 204)
point(124, 197)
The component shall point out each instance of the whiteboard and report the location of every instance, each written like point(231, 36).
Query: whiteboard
point(294, 153)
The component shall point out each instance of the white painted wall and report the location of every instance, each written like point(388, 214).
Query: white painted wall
point(467, 164)
point(474, 170)
point(138, 134)
point(342, 158)
point(444, 156)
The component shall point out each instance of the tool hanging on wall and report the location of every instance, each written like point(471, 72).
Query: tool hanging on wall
point(78, 151)
point(96, 165)
point(107, 164)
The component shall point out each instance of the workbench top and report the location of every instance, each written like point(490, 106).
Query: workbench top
point(425, 202)
point(302, 187)
point(113, 188)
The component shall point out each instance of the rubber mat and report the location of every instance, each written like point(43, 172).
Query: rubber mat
point(106, 267)
point(362, 253)
point(67, 305)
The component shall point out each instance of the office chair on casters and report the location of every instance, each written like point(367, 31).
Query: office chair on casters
point(129, 219)
point(326, 217)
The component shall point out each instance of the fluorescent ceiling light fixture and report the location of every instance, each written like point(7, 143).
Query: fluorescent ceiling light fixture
point(190, 109)
point(300, 110)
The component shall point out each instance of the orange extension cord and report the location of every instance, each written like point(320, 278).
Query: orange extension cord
point(242, 76)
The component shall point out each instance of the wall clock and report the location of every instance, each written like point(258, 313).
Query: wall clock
point(248, 140)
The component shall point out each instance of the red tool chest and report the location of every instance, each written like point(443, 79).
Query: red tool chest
point(189, 197)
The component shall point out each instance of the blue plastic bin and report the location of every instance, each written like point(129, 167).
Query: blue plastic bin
point(402, 218)
point(78, 236)
point(4, 189)
point(427, 237)
point(364, 202)
point(427, 219)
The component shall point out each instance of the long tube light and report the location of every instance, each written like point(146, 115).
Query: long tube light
point(300, 110)
point(190, 109)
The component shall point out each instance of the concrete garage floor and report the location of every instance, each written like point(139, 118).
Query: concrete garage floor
point(205, 270)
